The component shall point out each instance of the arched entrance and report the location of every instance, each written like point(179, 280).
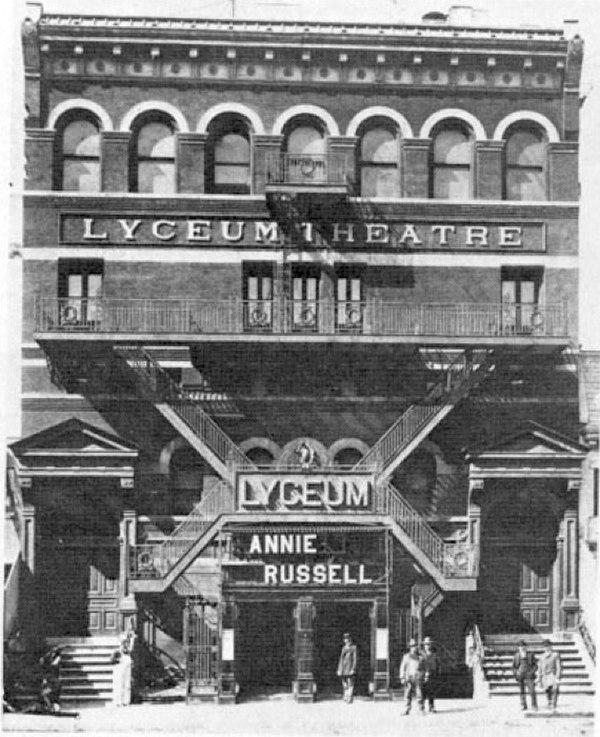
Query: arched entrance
point(519, 529)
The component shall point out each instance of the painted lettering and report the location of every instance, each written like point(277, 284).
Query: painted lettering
point(443, 231)
point(410, 234)
point(130, 228)
point(266, 232)
point(226, 230)
point(378, 233)
point(511, 235)
point(477, 234)
point(157, 227)
point(343, 229)
point(199, 231)
point(88, 231)
point(270, 573)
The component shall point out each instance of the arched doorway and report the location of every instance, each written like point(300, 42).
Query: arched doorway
point(519, 530)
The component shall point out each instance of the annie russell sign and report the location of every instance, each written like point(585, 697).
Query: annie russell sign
point(203, 232)
point(304, 559)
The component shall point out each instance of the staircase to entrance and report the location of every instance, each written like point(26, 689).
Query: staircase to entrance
point(577, 675)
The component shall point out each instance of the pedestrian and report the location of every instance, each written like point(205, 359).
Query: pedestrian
point(430, 668)
point(50, 688)
point(524, 669)
point(411, 676)
point(346, 669)
point(122, 676)
point(549, 674)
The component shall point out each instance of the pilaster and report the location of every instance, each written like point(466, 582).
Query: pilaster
point(415, 167)
point(191, 161)
point(115, 161)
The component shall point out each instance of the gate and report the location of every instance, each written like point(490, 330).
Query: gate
point(201, 637)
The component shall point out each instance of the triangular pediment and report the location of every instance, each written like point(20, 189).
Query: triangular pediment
point(74, 437)
point(532, 440)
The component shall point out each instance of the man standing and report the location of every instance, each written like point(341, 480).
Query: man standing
point(549, 674)
point(524, 669)
point(411, 676)
point(430, 668)
point(346, 669)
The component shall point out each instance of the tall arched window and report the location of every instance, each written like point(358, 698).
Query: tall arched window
point(379, 157)
point(228, 156)
point(525, 163)
point(77, 153)
point(304, 149)
point(152, 161)
point(452, 161)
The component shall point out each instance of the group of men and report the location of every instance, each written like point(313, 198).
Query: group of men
point(419, 671)
point(527, 670)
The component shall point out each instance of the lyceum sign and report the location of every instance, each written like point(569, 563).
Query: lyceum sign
point(310, 492)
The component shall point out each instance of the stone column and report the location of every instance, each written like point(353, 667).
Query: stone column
point(476, 488)
point(304, 683)
point(380, 649)
point(343, 154)
point(115, 161)
point(39, 159)
point(415, 167)
point(191, 156)
point(28, 535)
point(266, 151)
point(489, 170)
point(570, 559)
point(563, 176)
point(127, 539)
point(228, 687)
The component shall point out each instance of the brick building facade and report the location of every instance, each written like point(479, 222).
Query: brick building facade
point(299, 317)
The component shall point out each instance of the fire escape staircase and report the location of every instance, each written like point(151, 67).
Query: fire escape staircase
point(418, 421)
point(184, 413)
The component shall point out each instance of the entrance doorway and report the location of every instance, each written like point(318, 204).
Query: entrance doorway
point(265, 647)
point(332, 621)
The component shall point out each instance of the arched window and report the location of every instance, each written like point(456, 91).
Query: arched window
point(228, 156)
point(152, 160)
point(525, 174)
point(304, 147)
point(452, 161)
point(379, 161)
point(77, 154)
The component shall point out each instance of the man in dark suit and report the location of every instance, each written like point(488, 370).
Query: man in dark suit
point(524, 668)
point(346, 669)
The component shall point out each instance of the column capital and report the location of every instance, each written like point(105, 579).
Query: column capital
point(574, 486)
point(423, 143)
point(116, 136)
point(191, 138)
point(491, 145)
point(262, 139)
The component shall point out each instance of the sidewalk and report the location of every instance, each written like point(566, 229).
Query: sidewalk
point(283, 716)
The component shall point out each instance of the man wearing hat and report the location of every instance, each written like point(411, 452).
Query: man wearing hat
point(346, 669)
point(524, 669)
point(549, 674)
point(411, 676)
point(430, 668)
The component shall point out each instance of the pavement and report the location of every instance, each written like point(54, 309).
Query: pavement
point(281, 715)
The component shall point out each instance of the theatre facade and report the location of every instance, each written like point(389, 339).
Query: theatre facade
point(299, 329)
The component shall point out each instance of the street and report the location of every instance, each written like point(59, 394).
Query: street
point(283, 716)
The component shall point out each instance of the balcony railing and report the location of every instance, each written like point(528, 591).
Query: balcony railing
point(307, 169)
point(283, 316)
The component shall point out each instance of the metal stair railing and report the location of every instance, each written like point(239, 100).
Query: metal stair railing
point(160, 387)
point(452, 559)
point(458, 378)
point(155, 560)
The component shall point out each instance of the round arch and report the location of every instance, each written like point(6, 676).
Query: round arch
point(318, 112)
point(379, 111)
point(262, 444)
point(456, 114)
point(231, 107)
point(79, 104)
point(526, 116)
point(347, 444)
point(154, 106)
